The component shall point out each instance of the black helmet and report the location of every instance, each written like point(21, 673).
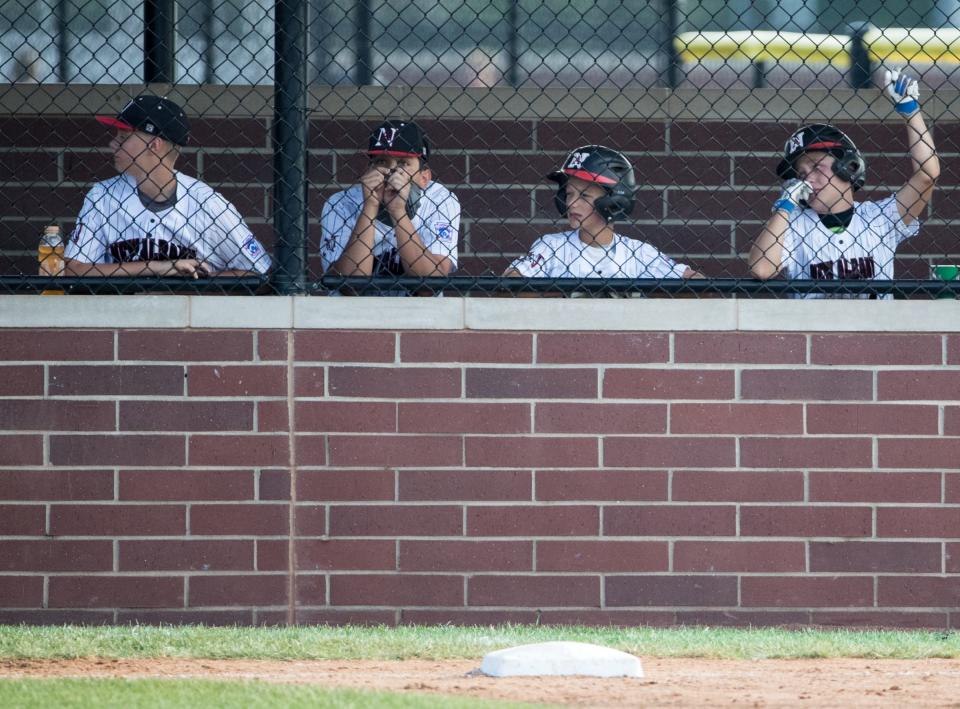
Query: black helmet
point(849, 164)
point(602, 166)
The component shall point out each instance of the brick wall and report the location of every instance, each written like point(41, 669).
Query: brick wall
point(413, 476)
point(705, 169)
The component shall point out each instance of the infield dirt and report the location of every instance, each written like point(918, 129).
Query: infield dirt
point(668, 682)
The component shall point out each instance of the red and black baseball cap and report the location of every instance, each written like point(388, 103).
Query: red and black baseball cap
point(400, 139)
point(154, 115)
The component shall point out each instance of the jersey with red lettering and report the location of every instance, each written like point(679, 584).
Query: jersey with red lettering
point(864, 250)
point(114, 226)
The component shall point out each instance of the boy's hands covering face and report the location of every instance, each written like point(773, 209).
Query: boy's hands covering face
point(373, 182)
point(396, 191)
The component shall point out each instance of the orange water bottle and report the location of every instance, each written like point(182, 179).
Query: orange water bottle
point(50, 255)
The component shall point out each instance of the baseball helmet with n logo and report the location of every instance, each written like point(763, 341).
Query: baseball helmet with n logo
point(602, 166)
point(849, 164)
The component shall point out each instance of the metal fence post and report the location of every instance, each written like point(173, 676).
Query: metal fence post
point(759, 74)
point(290, 146)
point(861, 70)
point(63, 41)
point(206, 31)
point(670, 77)
point(158, 41)
point(512, 44)
point(364, 43)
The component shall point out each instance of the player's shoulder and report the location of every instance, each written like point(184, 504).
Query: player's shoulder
point(119, 186)
point(438, 193)
point(196, 189)
point(631, 243)
point(629, 250)
point(559, 238)
point(345, 200)
point(873, 208)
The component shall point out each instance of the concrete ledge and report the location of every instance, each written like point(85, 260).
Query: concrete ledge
point(850, 315)
point(376, 313)
point(599, 314)
point(538, 314)
point(95, 311)
point(224, 311)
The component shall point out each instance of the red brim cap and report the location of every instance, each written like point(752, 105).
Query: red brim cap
point(590, 177)
point(395, 153)
point(114, 123)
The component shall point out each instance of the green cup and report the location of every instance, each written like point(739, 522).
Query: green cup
point(945, 273)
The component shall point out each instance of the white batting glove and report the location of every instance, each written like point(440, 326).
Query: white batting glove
point(903, 91)
point(794, 191)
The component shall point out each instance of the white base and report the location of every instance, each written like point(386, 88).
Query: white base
point(561, 658)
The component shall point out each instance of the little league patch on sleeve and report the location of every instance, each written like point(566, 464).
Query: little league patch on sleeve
point(443, 230)
point(251, 246)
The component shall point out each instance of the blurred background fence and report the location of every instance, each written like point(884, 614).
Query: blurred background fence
point(700, 95)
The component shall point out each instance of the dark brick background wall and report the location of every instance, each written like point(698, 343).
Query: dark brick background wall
point(479, 477)
point(705, 185)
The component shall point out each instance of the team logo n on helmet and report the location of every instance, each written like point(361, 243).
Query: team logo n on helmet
point(602, 166)
point(849, 164)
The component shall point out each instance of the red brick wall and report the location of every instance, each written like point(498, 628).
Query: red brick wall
point(705, 186)
point(478, 477)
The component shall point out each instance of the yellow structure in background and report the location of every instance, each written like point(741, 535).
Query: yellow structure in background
point(892, 45)
point(901, 45)
point(765, 46)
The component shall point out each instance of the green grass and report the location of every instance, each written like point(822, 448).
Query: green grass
point(176, 694)
point(450, 642)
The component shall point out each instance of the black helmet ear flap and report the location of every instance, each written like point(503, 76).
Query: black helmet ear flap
point(614, 206)
point(851, 167)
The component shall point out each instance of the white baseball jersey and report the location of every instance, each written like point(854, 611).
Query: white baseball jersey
point(564, 255)
point(811, 251)
point(115, 227)
point(437, 222)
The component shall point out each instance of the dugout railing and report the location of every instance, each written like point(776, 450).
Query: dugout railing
point(309, 152)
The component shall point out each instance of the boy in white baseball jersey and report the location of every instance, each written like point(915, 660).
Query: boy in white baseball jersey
point(595, 186)
point(817, 231)
point(397, 221)
point(151, 219)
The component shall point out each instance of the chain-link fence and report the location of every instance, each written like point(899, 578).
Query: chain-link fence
point(482, 147)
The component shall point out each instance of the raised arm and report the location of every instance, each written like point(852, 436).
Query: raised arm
point(913, 197)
